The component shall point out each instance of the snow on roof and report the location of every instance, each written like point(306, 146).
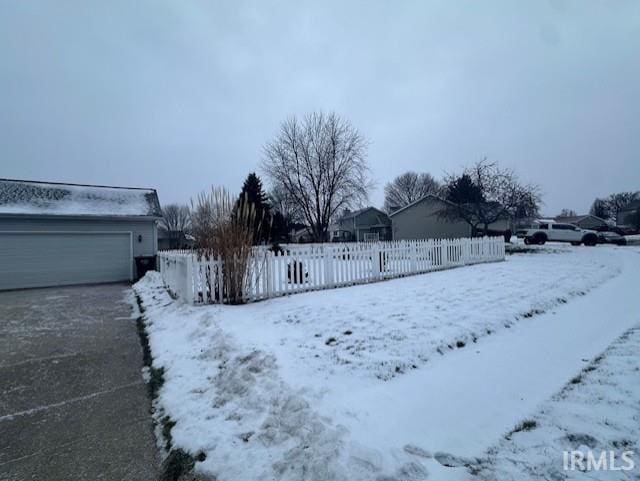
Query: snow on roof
point(428, 196)
point(356, 213)
point(569, 219)
point(43, 198)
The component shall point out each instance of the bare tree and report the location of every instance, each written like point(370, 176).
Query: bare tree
point(619, 201)
point(494, 194)
point(320, 162)
point(600, 208)
point(282, 202)
point(568, 213)
point(610, 207)
point(407, 188)
point(176, 218)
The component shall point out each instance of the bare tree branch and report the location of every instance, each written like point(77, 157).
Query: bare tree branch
point(319, 164)
point(408, 188)
point(176, 219)
point(486, 193)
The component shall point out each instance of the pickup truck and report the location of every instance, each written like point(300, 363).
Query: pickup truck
point(543, 231)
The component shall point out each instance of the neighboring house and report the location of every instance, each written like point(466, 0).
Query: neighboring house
point(174, 239)
point(586, 221)
point(362, 225)
point(630, 215)
point(421, 220)
point(301, 235)
point(55, 234)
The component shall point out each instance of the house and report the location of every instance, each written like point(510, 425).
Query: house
point(361, 225)
point(174, 239)
point(629, 215)
point(586, 221)
point(421, 220)
point(54, 234)
point(301, 235)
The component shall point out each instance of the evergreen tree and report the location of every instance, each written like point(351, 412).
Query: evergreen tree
point(253, 194)
point(462, 190)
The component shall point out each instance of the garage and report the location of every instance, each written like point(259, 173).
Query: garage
point(30, 259)
point(62, 234)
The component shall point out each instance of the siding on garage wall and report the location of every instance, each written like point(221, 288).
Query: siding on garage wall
point(145, 228)
point(421, 221)
point(501, 225)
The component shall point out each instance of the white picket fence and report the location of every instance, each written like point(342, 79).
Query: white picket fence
point(308, 267)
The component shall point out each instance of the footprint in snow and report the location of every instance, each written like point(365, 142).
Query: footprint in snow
point(416, 451)
point(452, 461)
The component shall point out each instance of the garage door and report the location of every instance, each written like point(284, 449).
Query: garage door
point(36, 259)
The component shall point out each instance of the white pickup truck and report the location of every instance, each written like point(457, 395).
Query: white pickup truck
point(547, 230)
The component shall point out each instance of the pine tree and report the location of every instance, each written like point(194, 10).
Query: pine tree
point(253, 194)
point(463, 191)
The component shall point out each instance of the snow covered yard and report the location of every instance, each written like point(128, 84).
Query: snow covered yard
point(598, 410)
point(371, 381)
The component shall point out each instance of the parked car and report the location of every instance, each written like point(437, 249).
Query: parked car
point(542, 231)
point(619, 229)
point(626, 230)
point(611, 238)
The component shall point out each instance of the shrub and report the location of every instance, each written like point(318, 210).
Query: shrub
point(224, 228)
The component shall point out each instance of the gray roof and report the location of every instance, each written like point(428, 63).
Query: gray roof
point(48, 198)
point(356, 213)
point(577, 218)
point(421, 199)
point(491, 204)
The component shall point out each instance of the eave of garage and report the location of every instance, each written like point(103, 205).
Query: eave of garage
point(138, 218)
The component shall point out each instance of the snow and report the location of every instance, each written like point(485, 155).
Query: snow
point(385, 379)
point(386, 329)
point(633, 239)
point(21, 197)
point(597, 410)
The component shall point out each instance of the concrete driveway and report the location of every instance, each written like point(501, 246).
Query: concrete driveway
point(73, 405)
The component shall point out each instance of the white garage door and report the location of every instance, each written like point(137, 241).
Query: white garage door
point(37, 259)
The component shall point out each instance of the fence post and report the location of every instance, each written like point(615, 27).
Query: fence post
point(220, 275)
point(328, 266)
point(467, 249)
point(413, 246)
point(268, 271)
point(189, 285)
point(445, 253)
point(376, 261)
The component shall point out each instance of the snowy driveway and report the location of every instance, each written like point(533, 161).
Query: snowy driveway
point(73, 405)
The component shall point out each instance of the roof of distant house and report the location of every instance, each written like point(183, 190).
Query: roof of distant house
point(356, 213)
point(496, 205)
point(577, 218)
point(50, 198)
point(428, 196)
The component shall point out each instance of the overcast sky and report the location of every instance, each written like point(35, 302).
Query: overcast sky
point(179, 95)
